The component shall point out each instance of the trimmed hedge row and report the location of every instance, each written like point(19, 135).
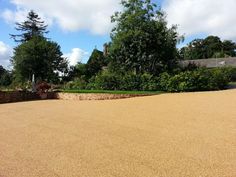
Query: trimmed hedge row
point(129, 81)
point(197, 80)
point(201, 79)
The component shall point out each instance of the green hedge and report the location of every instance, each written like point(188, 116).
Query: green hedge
point(130, 81)
point(201, 79)
point(198, 80)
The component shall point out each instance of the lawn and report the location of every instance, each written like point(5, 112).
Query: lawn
point(113, 92)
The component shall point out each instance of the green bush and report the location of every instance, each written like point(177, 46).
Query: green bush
point(129, 81)
point(197, 80)
point(78, 83)
point(233, 74)
point(201, 79)
point(221, 78)
point(105, 81)
point(149, 82)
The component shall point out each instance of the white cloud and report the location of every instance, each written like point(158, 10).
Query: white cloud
point(12, 17)
point(212, 17)
point(70, 15)
point(76, 55)
point(5, 54)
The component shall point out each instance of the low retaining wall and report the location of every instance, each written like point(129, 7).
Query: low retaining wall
point(211, 62)
point(94, 96)
point(17, 96)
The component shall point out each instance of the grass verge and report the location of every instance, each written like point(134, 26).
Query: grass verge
point(114, 92)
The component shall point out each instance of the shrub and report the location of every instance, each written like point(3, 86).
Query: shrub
point(106, 81)
point(129, 81)
point(233, 74)
point(197, 80)
point(221, 78)
point(149, 82)
point(78, 83)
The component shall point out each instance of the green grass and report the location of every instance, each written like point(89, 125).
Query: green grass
point(113, 92)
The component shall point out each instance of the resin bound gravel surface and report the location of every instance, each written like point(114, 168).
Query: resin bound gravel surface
point(169, 135)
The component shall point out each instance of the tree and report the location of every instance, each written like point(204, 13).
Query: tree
point(33, 26)
point(36, 54)
point(210, 47)
point(95, 63)
point(229, 48)
point(141, 41)
point(40, 57)
point(75, 72)
point(5, 77)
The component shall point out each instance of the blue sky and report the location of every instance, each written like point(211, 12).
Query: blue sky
point(79, 26)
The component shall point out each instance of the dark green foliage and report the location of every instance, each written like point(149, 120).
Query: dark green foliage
point(40, 57)
point(197, 80)
point(5, 77)
point(129, 81)
point(233, 74)
point(2, 70)
point(33, 26)
point(36, 54)
point(106, 81)
point(200, 79)
point(95, 63)
point(78, 83)
point(229, 48)
point(210, 47)
point(141, 41)
point(74, 72)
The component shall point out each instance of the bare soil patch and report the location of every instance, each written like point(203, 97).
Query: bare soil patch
point(169, 135)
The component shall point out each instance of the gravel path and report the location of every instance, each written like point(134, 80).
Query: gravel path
point(169, 135)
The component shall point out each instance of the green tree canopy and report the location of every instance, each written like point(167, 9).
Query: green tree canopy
point(229, 48)
point(210, 47)
point(5, 77)
point(40, 57)
point(95, 63)
point(36, 54)
point(141, 41)
point(33, 26)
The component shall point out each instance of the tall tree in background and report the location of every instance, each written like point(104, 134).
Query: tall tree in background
point(40, 57)
point(5, 77)
point(36, 54)
point(95, 63)
point(229, 48)
point(33, 26)
point(210, 47)
point(141, 40)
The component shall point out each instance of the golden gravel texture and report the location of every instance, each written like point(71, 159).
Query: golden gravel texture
point(169, 135)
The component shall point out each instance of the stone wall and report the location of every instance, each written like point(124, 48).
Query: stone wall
point(93, 96)
point(17, 96)
point(212, 62)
